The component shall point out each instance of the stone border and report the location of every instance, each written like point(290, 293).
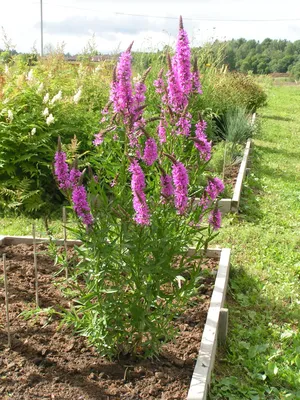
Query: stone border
point(232, 205)
point(215, 327)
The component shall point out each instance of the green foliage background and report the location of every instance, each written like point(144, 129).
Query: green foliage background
point(270, 55)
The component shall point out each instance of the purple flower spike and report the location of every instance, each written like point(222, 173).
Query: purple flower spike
point(181, 181)
point(196, 82)
point(61, 170)
point(81, 206)
point(167, 189)
point(142, 214)
point(159, 85)
point(139, 96)
point(183, 62)
point(213, 189)
point(121, 90)
point(215, 219)
point(98, 139)
point(75, 175)
point(139, 99)
point(201, 128)
point(176, 98)
point(202, 144)
point(161, 130)
point(150, 151)
point(184, 125)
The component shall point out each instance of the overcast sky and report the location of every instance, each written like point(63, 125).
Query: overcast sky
point(75, 21)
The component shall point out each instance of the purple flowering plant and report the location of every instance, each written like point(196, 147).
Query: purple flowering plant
point(141, 214)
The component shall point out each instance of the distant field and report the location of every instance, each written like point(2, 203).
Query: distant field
point(285, 81)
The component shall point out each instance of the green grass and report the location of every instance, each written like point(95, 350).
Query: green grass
point(22, 226)
point(262, 357)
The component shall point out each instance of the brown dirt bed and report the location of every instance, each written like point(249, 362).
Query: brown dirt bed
point(231, 174)
point(48, 363)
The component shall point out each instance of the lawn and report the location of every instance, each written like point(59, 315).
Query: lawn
point(262, 358)
point(22, 226)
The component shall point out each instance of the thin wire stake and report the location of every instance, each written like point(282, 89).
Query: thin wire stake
point(35, 267)
point(224, 161)
point(65, 239)
point(6, 302)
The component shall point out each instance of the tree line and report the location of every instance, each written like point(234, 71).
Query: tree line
point(268, 56)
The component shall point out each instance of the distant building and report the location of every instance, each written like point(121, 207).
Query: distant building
point(102, 57)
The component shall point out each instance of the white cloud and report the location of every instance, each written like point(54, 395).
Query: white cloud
point(85, 25)
point(72, 21)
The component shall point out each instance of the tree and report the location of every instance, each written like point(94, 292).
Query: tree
point(295, 71)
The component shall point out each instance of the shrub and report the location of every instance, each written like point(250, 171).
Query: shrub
point(234, 89)
point(36, 107)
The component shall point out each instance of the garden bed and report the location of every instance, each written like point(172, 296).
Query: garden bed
point(47, 363)
point(231, 174)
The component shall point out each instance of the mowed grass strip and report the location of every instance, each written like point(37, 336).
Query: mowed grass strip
point(262, 357)
point(20, 225)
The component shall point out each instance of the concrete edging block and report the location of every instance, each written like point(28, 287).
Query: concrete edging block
point(200, 382)
point(8, 240)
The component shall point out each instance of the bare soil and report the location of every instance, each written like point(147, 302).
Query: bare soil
point(231, 174)
point(46, 362)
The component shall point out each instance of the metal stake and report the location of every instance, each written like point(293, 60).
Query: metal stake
point(65, 239)
point(42, 33)
point(35, 267)
point(6, 302)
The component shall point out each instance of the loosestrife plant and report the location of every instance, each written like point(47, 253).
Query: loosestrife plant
point(139, 215)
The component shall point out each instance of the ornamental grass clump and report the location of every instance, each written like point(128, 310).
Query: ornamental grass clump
point(138, 218)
